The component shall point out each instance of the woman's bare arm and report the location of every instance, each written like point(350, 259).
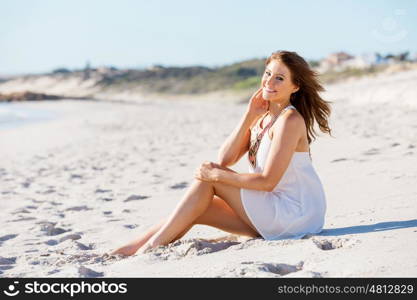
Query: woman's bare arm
point(237, 142)
point(286, 134)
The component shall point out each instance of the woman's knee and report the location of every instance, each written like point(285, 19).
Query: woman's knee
point(202, 182)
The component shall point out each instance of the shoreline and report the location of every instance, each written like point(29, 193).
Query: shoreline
point(13, 115)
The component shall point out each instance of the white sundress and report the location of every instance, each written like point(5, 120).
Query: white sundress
point(297, 204)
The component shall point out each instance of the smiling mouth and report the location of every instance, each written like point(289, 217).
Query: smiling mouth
point(269, 90)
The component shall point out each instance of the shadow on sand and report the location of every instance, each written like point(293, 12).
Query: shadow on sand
point(368, 228)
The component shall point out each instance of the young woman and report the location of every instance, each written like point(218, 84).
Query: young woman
point(282, 195)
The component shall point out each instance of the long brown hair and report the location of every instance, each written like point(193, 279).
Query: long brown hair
point(306, 100)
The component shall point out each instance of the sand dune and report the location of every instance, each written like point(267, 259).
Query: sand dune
point(74, 187)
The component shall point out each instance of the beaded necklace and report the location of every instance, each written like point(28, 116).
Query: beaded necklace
point(255, 142)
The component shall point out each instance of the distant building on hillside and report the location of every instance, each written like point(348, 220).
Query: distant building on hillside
point(363, 61)
point(334, 61)
point(340, 61)
point(106, 70)
point(156, 67)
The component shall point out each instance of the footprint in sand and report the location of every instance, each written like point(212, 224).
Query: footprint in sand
point(24, 210)
point(98, 168)
point(184, 248)
point(78, 208)
point(69, 244)
point(7, 260)
point(106, 199)
point(84, 247)
point(7, 237)
point(50, 228)
point(130, 226)
point(180, 185)
point(37, 201)
point(66, 168)
point(8, 192)
point(89, 273)
point(20, 211)
point(332, 244)
point(73, 236)
point(31, 250)
point(48, 191)
point(23, 219)
point(26, 184)
point(338, 159)
point(372, 151)
point(114, 220)
point(97, 191)
point(84, 258)
point(135, 197)
point(261, 269)
point(3, 268)
point(327, 245)
point(53, 272)
point(51, 242)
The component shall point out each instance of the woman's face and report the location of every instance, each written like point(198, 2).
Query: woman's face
point(276, 82)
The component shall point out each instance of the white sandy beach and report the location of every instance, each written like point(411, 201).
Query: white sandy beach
point(73, 188)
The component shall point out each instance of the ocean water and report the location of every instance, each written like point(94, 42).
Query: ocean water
point(14, 114)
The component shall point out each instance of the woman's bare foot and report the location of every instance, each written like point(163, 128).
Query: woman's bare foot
point(125, 250)
point(145, 249)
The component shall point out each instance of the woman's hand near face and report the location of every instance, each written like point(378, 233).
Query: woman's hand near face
point(257, 105)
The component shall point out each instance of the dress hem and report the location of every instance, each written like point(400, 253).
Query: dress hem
point(249, 215)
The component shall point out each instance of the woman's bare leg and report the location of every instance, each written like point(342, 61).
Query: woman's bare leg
point(193, 205)
point(219, 215)
point(195, 201)
point(134, 245)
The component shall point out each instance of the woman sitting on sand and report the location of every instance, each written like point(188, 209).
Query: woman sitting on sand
point(282, 195)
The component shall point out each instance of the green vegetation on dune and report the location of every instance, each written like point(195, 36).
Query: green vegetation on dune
point(239, 76)
point(248, 83)
point(334, 76)
point(188, 80)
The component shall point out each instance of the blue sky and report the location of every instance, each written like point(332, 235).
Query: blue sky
point(39, 36)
